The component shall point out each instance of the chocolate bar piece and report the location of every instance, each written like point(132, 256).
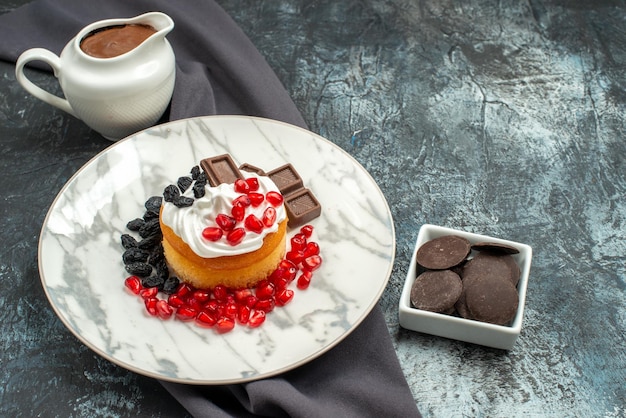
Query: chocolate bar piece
point(220, 169)
point(286, 179)
point(301, 207)
point(252, 169)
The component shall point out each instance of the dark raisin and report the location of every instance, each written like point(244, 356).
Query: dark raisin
point(128, 241)
point(149, 215)
point(156, 254)
point(198, 190)
point(135, 224)
point(138, 268)
point(184, 183)
point(170, 193)
point(152, 281)
point(195, 172)
point(182, 201)
point(202, 179)
point(150, 228)
point(153, 204)
point(135, 254)
point(149, 242)
point(171, 285)
point(162, 270)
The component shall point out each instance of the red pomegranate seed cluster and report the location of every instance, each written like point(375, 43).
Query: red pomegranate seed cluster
point(222, 308)
point(228, 223)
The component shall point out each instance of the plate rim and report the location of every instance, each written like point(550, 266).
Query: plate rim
point(291, 366)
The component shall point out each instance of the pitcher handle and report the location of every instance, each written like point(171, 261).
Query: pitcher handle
point(41, 54)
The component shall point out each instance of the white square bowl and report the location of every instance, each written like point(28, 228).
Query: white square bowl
point(490, 335)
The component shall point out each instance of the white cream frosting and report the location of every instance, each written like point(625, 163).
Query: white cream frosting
point(189, 222)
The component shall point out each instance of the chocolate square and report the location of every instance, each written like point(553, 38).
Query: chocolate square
point(301, 206)
point(286, 179)
point(220, 169)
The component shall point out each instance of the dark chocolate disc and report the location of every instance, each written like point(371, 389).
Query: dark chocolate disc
point(492, 300)
point(495, 247)
point(461, 307)
point(443, 252)
point(436, 291)
point(487, 264)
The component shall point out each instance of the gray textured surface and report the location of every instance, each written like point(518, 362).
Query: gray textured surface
point(504, 118)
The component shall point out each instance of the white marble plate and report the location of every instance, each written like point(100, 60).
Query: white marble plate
point(82, 272)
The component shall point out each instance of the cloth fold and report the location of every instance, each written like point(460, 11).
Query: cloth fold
point(219, 71)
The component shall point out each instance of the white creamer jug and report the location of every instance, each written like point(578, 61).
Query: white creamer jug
point(115, 96)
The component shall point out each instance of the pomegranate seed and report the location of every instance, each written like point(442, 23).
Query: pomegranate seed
point(312, 248)
point(312, 263)
point(227, 223)
point(251, 301)
point(266, 305)
point(269, 217)
point(303, 281)
point(202, 296)
point(287, 264)
point(256, 318)
point(242, 200)
point(148, 292)
point(284, 297)
point(205, 319)
point(254, 224)
point(230, 310)
point(212, 233)
point(241, 186)
point(243, 314)
point(238, 212)
point(280, 283)
point(185, 313)
point(183, 290)
point(220, 292)
point(224, 325)
point(133, 283)
point(277, 278)
point(295, 257)
point(282, 276)
point(235, 236)
point(275, 198)
point(307, 230)
point(242, 294)
point(151, 306)
point(290, 274)
point(276, 274)
point(298, 242)
point(175, 300)
point(212, 306)
point(253, 183)
point(164, 310)
point(193, 304)
point(264, 290)
point(256, 199)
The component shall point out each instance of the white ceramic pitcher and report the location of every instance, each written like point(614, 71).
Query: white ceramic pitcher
point(114, 96)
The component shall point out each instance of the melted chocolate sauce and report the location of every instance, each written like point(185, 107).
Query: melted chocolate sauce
point(115, 40)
